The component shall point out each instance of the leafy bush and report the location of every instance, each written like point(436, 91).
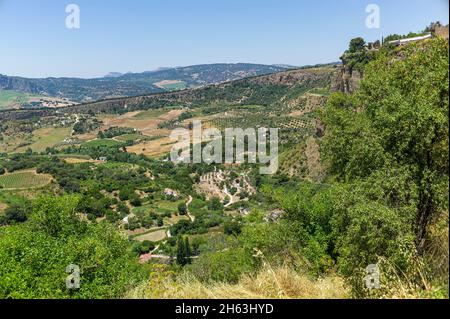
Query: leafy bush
point(34, 256)
point(388, 147)
point(182, 209)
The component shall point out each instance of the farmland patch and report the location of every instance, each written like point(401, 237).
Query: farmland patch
point(153, 236)
point(24, 180)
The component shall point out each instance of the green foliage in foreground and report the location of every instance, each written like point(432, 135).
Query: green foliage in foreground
point(386, 150)
point(34, 255)
point(387, 145)
point(394, 132)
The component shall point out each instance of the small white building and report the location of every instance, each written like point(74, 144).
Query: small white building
point(126, 219)
point(410, 40)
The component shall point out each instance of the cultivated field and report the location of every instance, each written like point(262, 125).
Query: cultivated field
point(153, 142)
point(171, 85)
point(78, 160)
point(144, 121)
point(153, 236)
point(13, 99)
point(47, 137)
point(24, 180)
point(103, 142)
point(161, 207)
point(154, 148)
point(129, 137)
point(150, 114)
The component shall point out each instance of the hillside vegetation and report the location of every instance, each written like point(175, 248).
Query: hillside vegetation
point(363, 180)
point(386, 196)
point(130, 84)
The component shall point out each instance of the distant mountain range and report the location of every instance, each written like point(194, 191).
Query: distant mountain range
point(117, 84)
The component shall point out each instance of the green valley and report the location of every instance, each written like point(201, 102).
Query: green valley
point(362, 180)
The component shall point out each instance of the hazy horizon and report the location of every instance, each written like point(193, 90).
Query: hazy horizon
point(162, 68)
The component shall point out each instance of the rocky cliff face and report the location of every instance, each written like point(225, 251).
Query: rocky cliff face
point(347, 80)
point(18, 84)
point(293, 77)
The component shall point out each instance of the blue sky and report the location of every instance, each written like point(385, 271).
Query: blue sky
point(141, 35)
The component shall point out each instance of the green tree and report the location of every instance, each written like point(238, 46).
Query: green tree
point(34, 255)
point(398, 121)
point(357, 56)
point(215, 204)
point(387, 146)
point(136, 201)
point(182, 258)
point(188, 250)
point(356, 45)
point(16, 213)
point(232, 227)
point(182, 209)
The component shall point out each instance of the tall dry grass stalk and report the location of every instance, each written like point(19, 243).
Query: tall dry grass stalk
point(270, 283)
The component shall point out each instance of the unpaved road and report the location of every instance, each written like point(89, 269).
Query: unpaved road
point(192, 218)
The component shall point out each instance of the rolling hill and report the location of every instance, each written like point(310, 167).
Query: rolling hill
point(130, 84)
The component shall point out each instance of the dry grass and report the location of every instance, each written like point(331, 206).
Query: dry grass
point(312, 151)
point(47, 137)
point(427, 276)
point(438, 246)
point(155, 236)
point(3, 207)
point(268, 284)
point(412, 284)
point(164, 83)
point(75, 160)
point(148, 125)
point(154, 148)
point(144, 121)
